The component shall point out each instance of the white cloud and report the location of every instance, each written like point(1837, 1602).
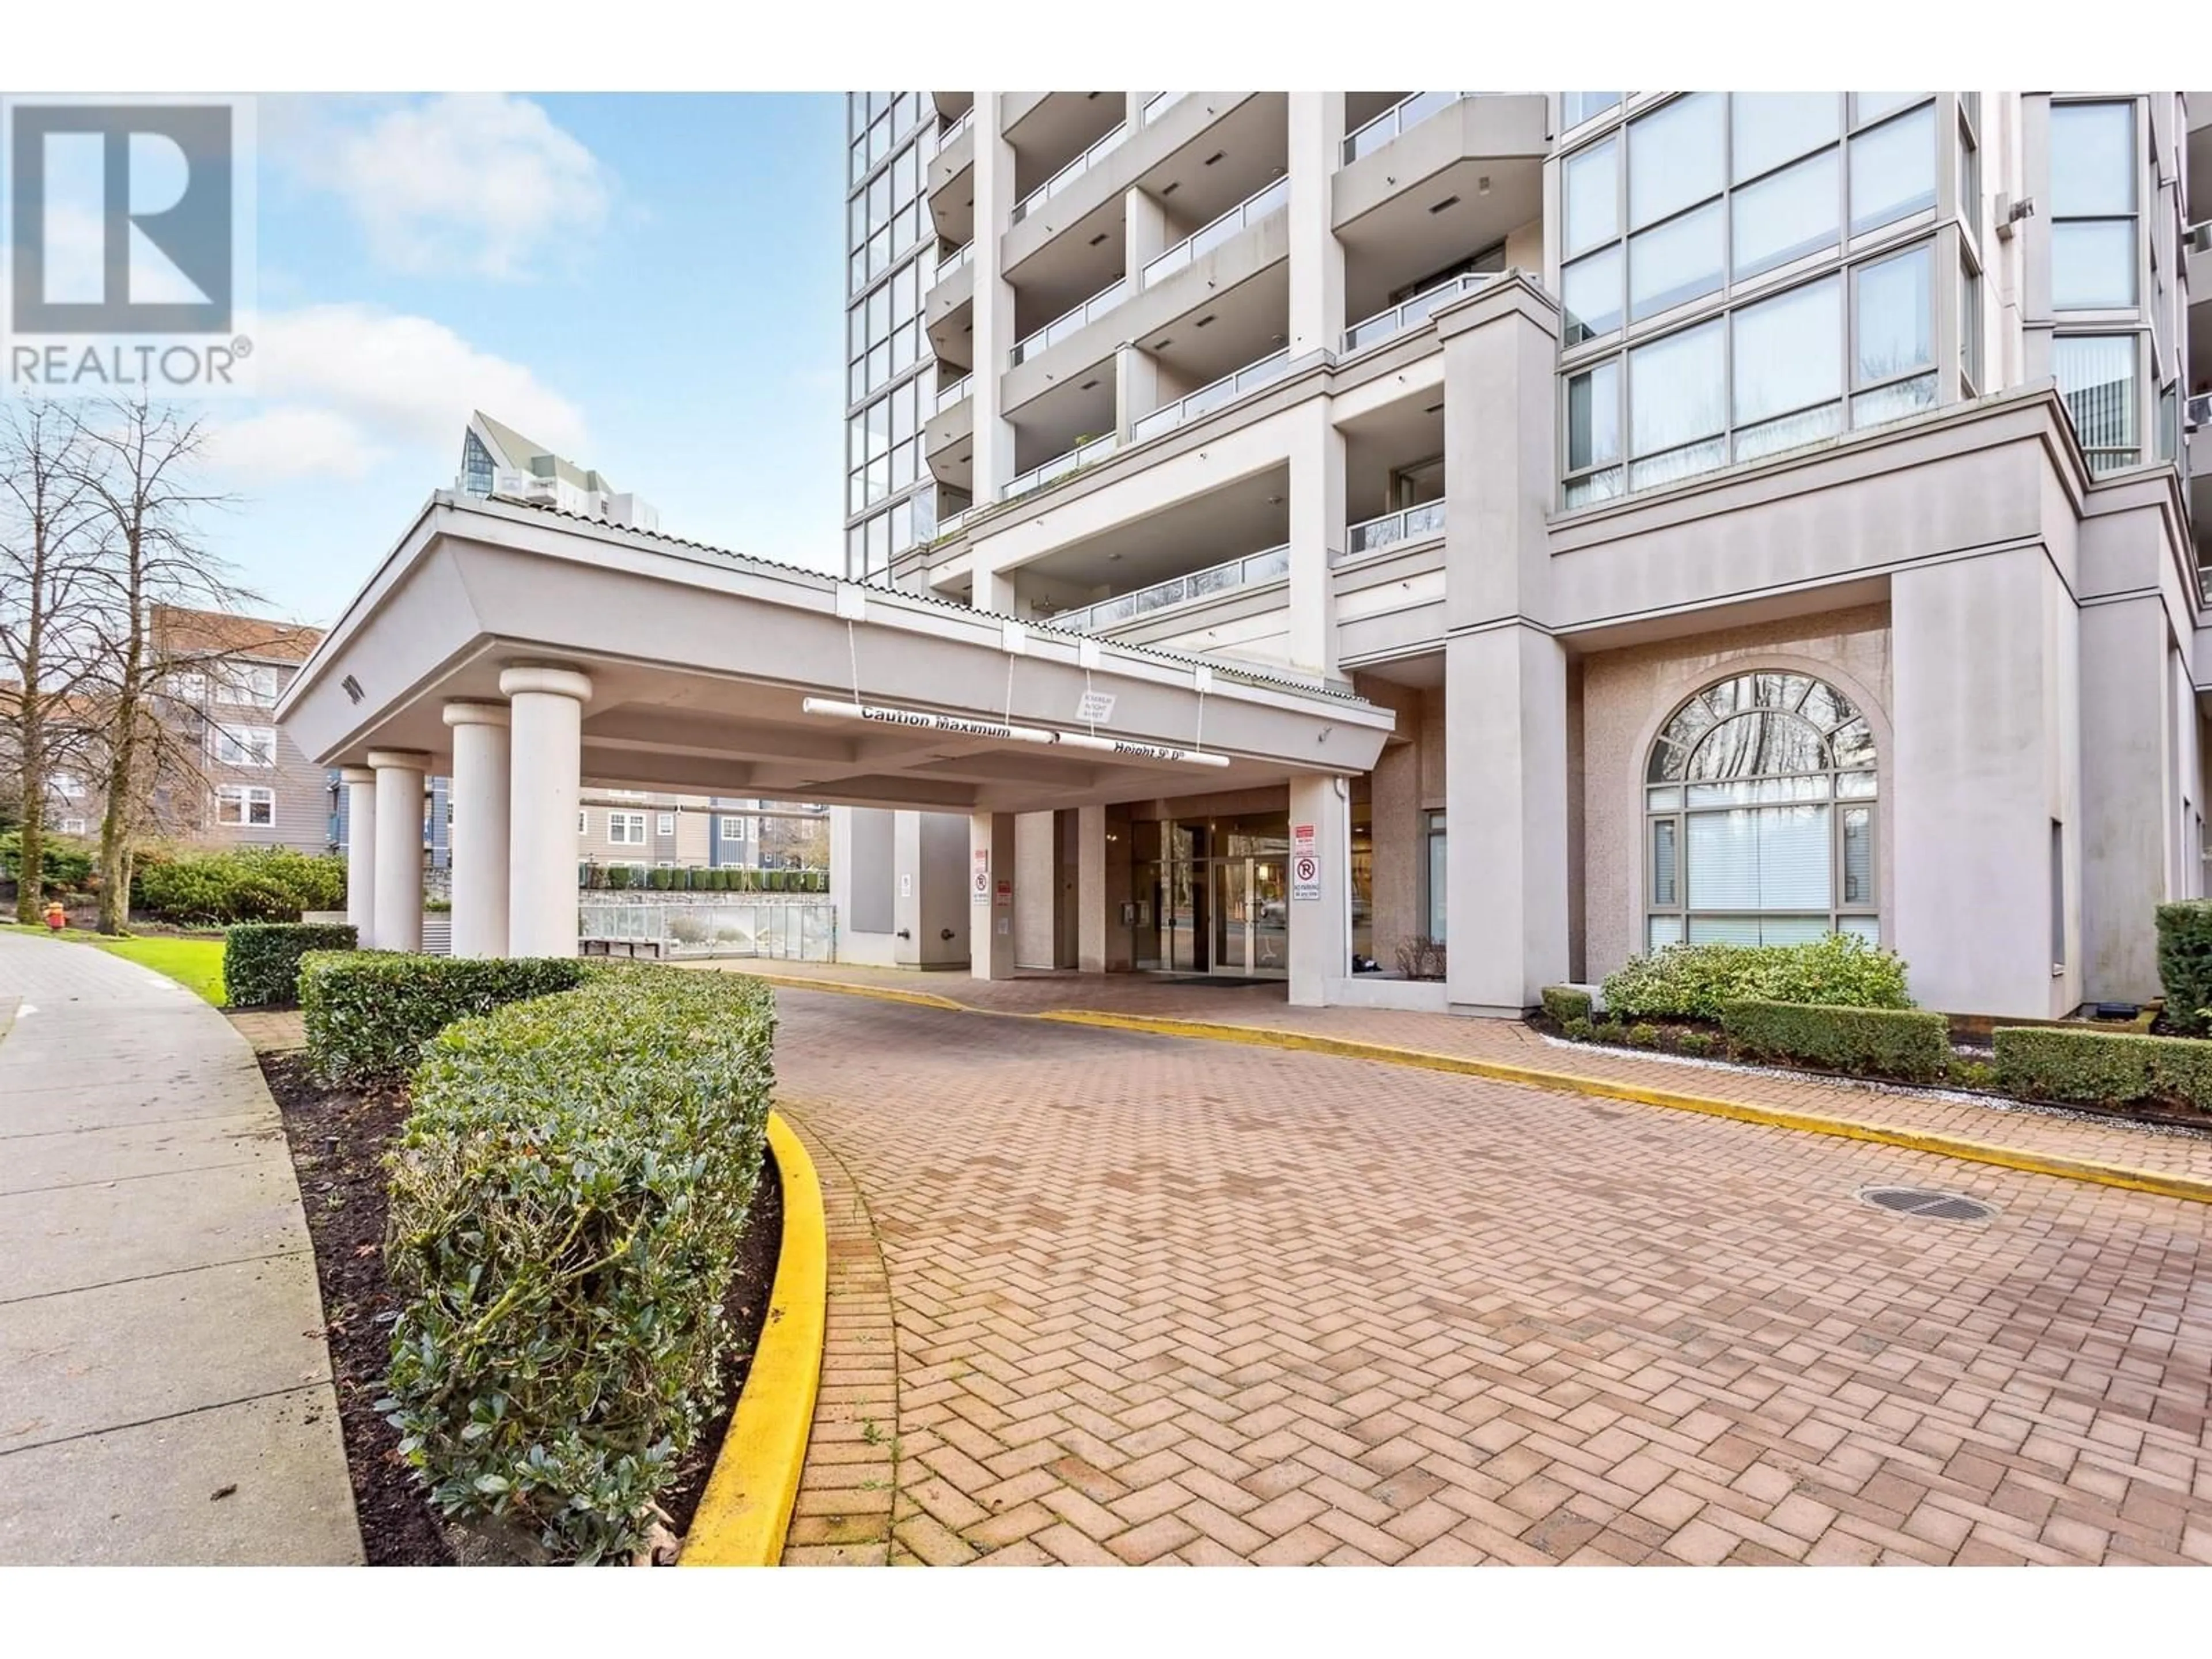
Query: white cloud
point(346, 385)
point(484, 182)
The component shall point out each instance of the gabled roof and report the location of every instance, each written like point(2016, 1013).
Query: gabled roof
point(227, 634)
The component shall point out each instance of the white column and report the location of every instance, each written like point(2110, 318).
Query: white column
point(1316, 144)
point(546, 718)
point(400, 775)
point(991, 895)
point(1092, 902)
point(993, 444)
point(1317, 533)
point(361, 852)
point(1320, 908)
point(481, 787)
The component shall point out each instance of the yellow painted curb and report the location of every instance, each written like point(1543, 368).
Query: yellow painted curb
point(746, 1509)
point(880, 993)
point(2190, 1189)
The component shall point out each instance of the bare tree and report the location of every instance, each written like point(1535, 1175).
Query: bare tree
point(141, 476)
point(48, 597)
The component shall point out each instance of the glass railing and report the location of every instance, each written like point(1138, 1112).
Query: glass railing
point(1066, 323)
point(952, 261)
point(1411, 524)
point(1408, 111)
point(1059, 467)
point(1159, 104)
point(1207, 238)
point(953, 525)
point(946, 134)
point(948, 396)
point(1068, 174)
point(1207, 398)
point(1247, 572)
point(1383, 324)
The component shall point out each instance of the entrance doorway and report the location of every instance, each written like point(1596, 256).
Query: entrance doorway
point(1252, 917)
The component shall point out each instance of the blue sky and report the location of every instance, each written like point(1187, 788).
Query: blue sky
point(650, 284)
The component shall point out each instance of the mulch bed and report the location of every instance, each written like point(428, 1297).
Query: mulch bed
point(339, 1139)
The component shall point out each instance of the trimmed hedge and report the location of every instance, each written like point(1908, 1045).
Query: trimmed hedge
point(369, 1012)
point(1563, 1003)
point(261, 959)
point(1692, 982)
point(247, 884)
point(567, 1198)
point(1878, 1041)
point(2103, 1069)
point(2185, 963)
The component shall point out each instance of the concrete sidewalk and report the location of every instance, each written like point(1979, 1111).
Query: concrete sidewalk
point(165, 1389)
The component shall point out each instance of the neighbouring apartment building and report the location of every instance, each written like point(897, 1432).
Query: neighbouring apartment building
point(647, 829)
point(1764, 514)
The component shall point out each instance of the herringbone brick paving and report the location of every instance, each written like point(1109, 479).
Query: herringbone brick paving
point(1158, 1300)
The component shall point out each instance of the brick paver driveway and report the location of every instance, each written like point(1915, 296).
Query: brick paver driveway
point(1166, 1300)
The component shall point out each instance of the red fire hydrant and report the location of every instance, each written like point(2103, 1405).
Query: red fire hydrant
point(57, 918)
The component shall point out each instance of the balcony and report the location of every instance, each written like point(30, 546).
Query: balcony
point(1059, 467)
point(1159, 104)
point(959, 258)
point(1069, 322)
point(1247, 572)
point(1410, 524)
point(1408, 111)
point(948, 133)
point(1250, 211)
point(1385, 324)
point(951, 395)
point(1207, 398)
point(1069, 175)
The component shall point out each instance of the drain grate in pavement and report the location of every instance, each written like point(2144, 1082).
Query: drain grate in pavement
point(1926, 1203)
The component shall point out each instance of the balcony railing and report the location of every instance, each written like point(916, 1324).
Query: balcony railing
point(1068, 174)
point(948, 396)
point(1383, 324)
point(1059, 467)
point(1069, 322)
point(1207, 398)
point(1207, 238)
point(946, 134)
point(1247, 572)
point(1159, 104)
point(1411, 524)
point(1408, 111)
point(951, 262)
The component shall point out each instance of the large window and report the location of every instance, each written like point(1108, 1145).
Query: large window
point(242, 745)
point(2096, 375)
point(1851, 348)
point(246, 805)
point(2092, 206)
point(626, 829)
point(1760, 819)
point(1438, 875)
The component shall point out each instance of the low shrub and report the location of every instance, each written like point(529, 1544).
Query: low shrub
point(1895, 1042)
point(1972, 1074)
point(367, 1013)
point(261, 959)
point(1564, 1002)
point(64, 861)
point(2185, 963)
point(1643, 1035)
point(567, 1198)
point(246, 883)
point(1577, 1029)
point(1695, 1042)
point(618, 877)
point(1691, 981)
point(2103, 1069)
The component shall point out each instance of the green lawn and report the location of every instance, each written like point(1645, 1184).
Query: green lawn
point(195, 964)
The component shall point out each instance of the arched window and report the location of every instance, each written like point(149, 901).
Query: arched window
point(1759, 817)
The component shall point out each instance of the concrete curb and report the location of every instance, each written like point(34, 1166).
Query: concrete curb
point(2188, 1188)
point(746, 1509)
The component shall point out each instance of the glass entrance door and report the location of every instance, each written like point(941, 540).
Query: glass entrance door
point(1232, 915)
point(1251, 917)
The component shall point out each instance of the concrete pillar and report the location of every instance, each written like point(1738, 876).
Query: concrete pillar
point(1137, 388)
point(1091, 898)
point(546, 710)
point(399, 775)
point(991, 895)
point(993, 590)
point(1316, 145)
point(481, 801)
point(992, 446)
point(361, 852)
point(1320, 908)
point(1317, 533)
point(1982, 801)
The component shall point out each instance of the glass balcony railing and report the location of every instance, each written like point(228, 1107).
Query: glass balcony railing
point(1247, 572)
point(1207, 398)
point(951, 262)
point(1383, 324)
point(1069, 322)
point(1159, 104)
point(1068, 174)
point(948, 528)
point(1273, 199)
point(946, 134)
point(1059, 467)
point(1408, 111)
point(1411, 524)
point(948, 396)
